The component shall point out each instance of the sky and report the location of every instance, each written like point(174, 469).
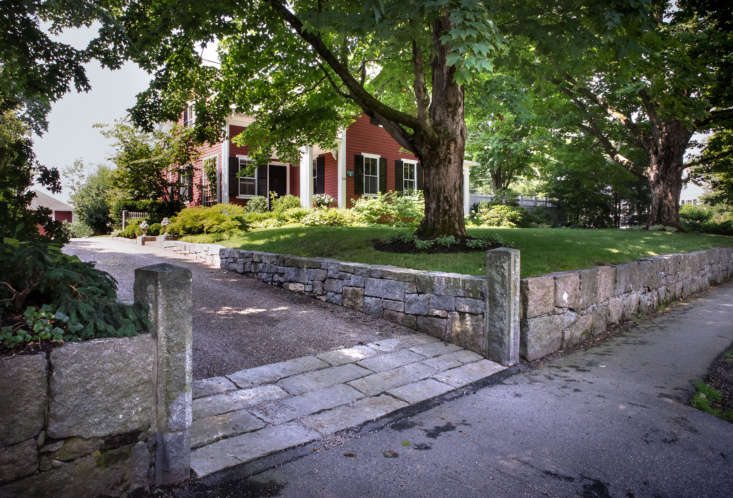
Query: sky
point(70, 132)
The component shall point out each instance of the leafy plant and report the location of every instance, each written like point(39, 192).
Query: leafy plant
point(706, 398)
point(424, 245)
point(284, 203)
point(322, 201)
point(219, 218)
point(155, 229)
point(446, 241)
point(132, 230)
point(79, 229)
point(327, 217)
point(257, 204)
point(500, 215)
point(390, 208)
point(43, 289)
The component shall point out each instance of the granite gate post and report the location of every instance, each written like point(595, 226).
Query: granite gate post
point(501, 335)
point(166, 290)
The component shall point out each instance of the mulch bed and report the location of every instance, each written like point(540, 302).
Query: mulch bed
point(401, 246)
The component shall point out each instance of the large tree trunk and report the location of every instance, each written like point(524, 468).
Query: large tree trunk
point(666, 164)
point(442, 154)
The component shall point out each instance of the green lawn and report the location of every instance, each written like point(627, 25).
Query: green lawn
point(544, 250)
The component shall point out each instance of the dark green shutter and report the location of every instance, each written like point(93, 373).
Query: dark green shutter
point(398, 176)
point(358, 174)
point(262, 180)
point(382, 174)
point(233, 179)
point(419, 175)
point(319, 187)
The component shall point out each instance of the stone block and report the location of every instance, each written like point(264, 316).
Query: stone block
point(627, 278)
point(354, 415)
point(374, 384)
point(388, 361)
point(319, 379)
point(434, 326)
point(567, 289)
point(434, 348)
point(389, 304)
point(334, 298)
point(235, 400)
point(333, 285)
point(578, 330)
point(469, 373)
point(267, 374)
point(649, 302)
point(600, 318)
point(438, 313)
point(72, 448)
point(470, 305)
point(295, 287)
point(442, 362)
point(347, 355)
point(353, 297)
point(403, 319)
point(83, 401)
point(23, 397)
point(288, 409)
point(417, 304)
point(474, 287)
point(388, 289)
point(18, 460)
point(247, 447)
point(630, 304)
point(373, 306)
point(606, 282)
point(537, 296)
point(588, 295)
point(466, 330)
point(209, 429)
point(648, 275)
point(501, 343)
point(420, 390)
point(447, 303)
point(211, 386)
point(447, 284)
point(541, 336)
point(615, 309)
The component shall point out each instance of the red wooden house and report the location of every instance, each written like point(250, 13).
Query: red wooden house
point(365, 161)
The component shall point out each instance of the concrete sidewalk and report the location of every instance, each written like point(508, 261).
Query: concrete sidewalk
point(611, 421)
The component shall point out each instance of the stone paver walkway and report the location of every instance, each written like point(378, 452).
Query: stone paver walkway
point(252, 413)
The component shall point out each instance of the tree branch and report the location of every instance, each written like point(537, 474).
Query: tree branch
point(421, 90)
point(716, 115)
point(358, 93)
point(608, 147)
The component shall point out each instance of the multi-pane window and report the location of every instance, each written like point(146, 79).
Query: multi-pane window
point(208, 188)
point(409, 176)
point(371, 175)
point(185, 181)
point(247, 184)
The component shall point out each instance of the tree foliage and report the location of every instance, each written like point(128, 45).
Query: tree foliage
point(304, 69)
point(91, 195)
point(715, 168)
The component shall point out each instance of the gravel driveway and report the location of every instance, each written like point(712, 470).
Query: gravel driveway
point(240, 322)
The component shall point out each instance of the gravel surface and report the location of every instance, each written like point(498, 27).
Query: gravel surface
point(239, 322)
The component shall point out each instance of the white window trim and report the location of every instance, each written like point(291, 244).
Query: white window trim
point(377, 157)
point(204, 178)
point(191, 112)
point(413, 163)
point(239, 185)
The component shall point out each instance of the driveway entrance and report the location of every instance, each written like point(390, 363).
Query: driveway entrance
point(240, 323)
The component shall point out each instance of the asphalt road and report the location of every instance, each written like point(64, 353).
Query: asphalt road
point(610, 421)
point(239, 322)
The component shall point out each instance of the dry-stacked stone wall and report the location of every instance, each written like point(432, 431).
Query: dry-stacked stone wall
point(77, 421)
point(558, 310)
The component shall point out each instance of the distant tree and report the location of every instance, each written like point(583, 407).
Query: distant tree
point(152, 165)
point(91, 195)
point(714, 168)
point(19, 171)
point(636, 76)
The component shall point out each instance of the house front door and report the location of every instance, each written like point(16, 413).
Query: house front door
point(278, 179)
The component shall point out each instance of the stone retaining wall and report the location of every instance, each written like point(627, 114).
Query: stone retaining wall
point(449, 306)
point(559, 309)
point(77, 421)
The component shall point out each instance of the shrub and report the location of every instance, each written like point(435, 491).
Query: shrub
point(321, 201)
point(257, 204)
point(695, 215)
point(132, 230)
point(391, 208)
point(157, 210)
point(328, 217)
point(707, 220)
point(294, 215)
point(78, 229)
point(253, 218)
point(47, 295)
point(500, 215)
point(284, 203)
point(219, 218)
point(155, 229)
